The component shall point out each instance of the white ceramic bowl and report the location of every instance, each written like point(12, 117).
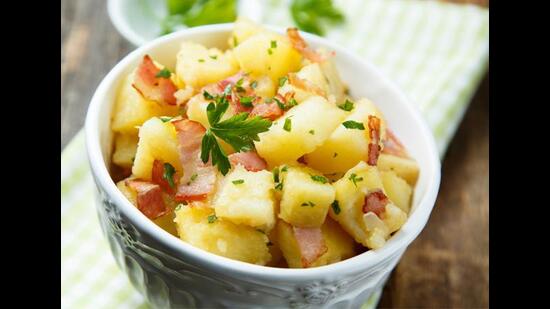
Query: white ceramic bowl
point(172, 273)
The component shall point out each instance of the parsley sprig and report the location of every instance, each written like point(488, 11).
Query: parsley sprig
point(239, 131)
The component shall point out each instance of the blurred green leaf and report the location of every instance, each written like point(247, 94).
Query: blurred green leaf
point(309, 15)
point(179, 6)
point(206, 12)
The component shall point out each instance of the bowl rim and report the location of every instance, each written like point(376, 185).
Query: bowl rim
point(182, 250)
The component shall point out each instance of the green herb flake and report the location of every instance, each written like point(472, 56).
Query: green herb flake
point(320, 179)
point(288, 125)
point(284, 169)
point(240, 82)
point(269, 51)
point(347, 106)
point(200, 60)
point(273, 44)
point(246, 101)
point(310, 203)
point(275, 174)
point(350, 124)
point(212, 218)
point(312, 132)
point(164, 73)
point(235, 42)
point(335, 207)
point(165, 118)
point(207, 95)
point(353, 178)
point(282, 81)
point(238, 181)
point(168, 174)
point(280, 104)
point(279, 186)
point(214, 57)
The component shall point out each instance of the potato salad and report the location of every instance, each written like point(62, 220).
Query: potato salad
point(258, 152)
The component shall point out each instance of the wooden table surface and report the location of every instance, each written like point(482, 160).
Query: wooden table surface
point(447, 266)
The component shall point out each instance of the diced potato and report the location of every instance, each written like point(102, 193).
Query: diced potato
point(125, 149)
point(311, 123)
point(265, 87)
point(351, 198)
point(305, 202)
point(165, 222)
point(131, 109)
point(335, 85)
point(404, 167)
point(346, 147)
point(250, 202)
point(287, 243)
point(397, 189)
point(277, 259)
point(340, 245)
point(197, 65)
point(242, 30)
point(394, 217)
point(311, 73)
point(221, 237)
point(257, 56)
point(157, 140)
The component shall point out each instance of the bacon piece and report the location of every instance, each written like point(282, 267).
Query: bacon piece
point(300, 45)
point(376, 202)
point(150, 86)
point(305, 85)
point(251, 161)
point(311, 244)
point(374, 146)
point(157, 177)
point(149, 198)
point(393, 146)
point(270, 111)
point(198, 179)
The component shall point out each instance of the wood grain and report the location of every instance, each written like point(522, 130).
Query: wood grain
point(445, 267)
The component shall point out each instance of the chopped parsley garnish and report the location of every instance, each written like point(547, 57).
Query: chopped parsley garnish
point(280, 104)
point(214, 57)
point(238, 181)
point(310, 203)
point(284, 169)
point(168, 174)
point(312, 132)
point(350, 124)
point(347, 106)
point(282, 81)
point(353, 178)
point(240, 82)
point(288, 125)
point(239, 131)
point(200, 60)
point(273, 44)
point(165, 118)
point(193, 177)
point(207, 95)
point(212, 218)
point(246, 101)
point(276, 174)
point(335, 207)
point(235, 42)
point(269, 51)
point(320, 179)
point(279, 186)
point(164, 73)
point(292, 102)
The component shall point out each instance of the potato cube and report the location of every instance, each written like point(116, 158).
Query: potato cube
point(311, 73)
point(336, 86)
point(198, 66)
point(125, 149)
point(267, 53)
point(247, 198)
point(157, 140)
point(199, 227)
point(340, 245)
point(404, 167)
point(131, 109)
point(308, 125)
point(394, 217)
point(397, 189)
point(305, 201)
point(242, 30)
point(346, 147)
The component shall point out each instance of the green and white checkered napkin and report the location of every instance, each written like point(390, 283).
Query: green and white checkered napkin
point(436, 52)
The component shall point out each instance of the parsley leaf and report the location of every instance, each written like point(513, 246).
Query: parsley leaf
point(310, 14)
point(320, 179)
point(240, 131)
point(164, 73)
point(350, 124)
point(214, 112)
point(212, 218)
point(246, 101)
point(353, 178)
point(273, 44)
point(210, 146)
point(282, 81)
point(168, 174)
point(288, 125)
point(238, 181)
point(165, 118)
point(335, 207)
point(347, 106)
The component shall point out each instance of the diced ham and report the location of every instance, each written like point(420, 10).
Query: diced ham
point(149, 198)
point(269, 111)
point(374, 146)
point(198, 179)
point(393, 146)
point(305, 85)
point(376, 202)
point(311, 244)
point(251, 161)
point(151, 87)
point(300, 45)
point(157, 177)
